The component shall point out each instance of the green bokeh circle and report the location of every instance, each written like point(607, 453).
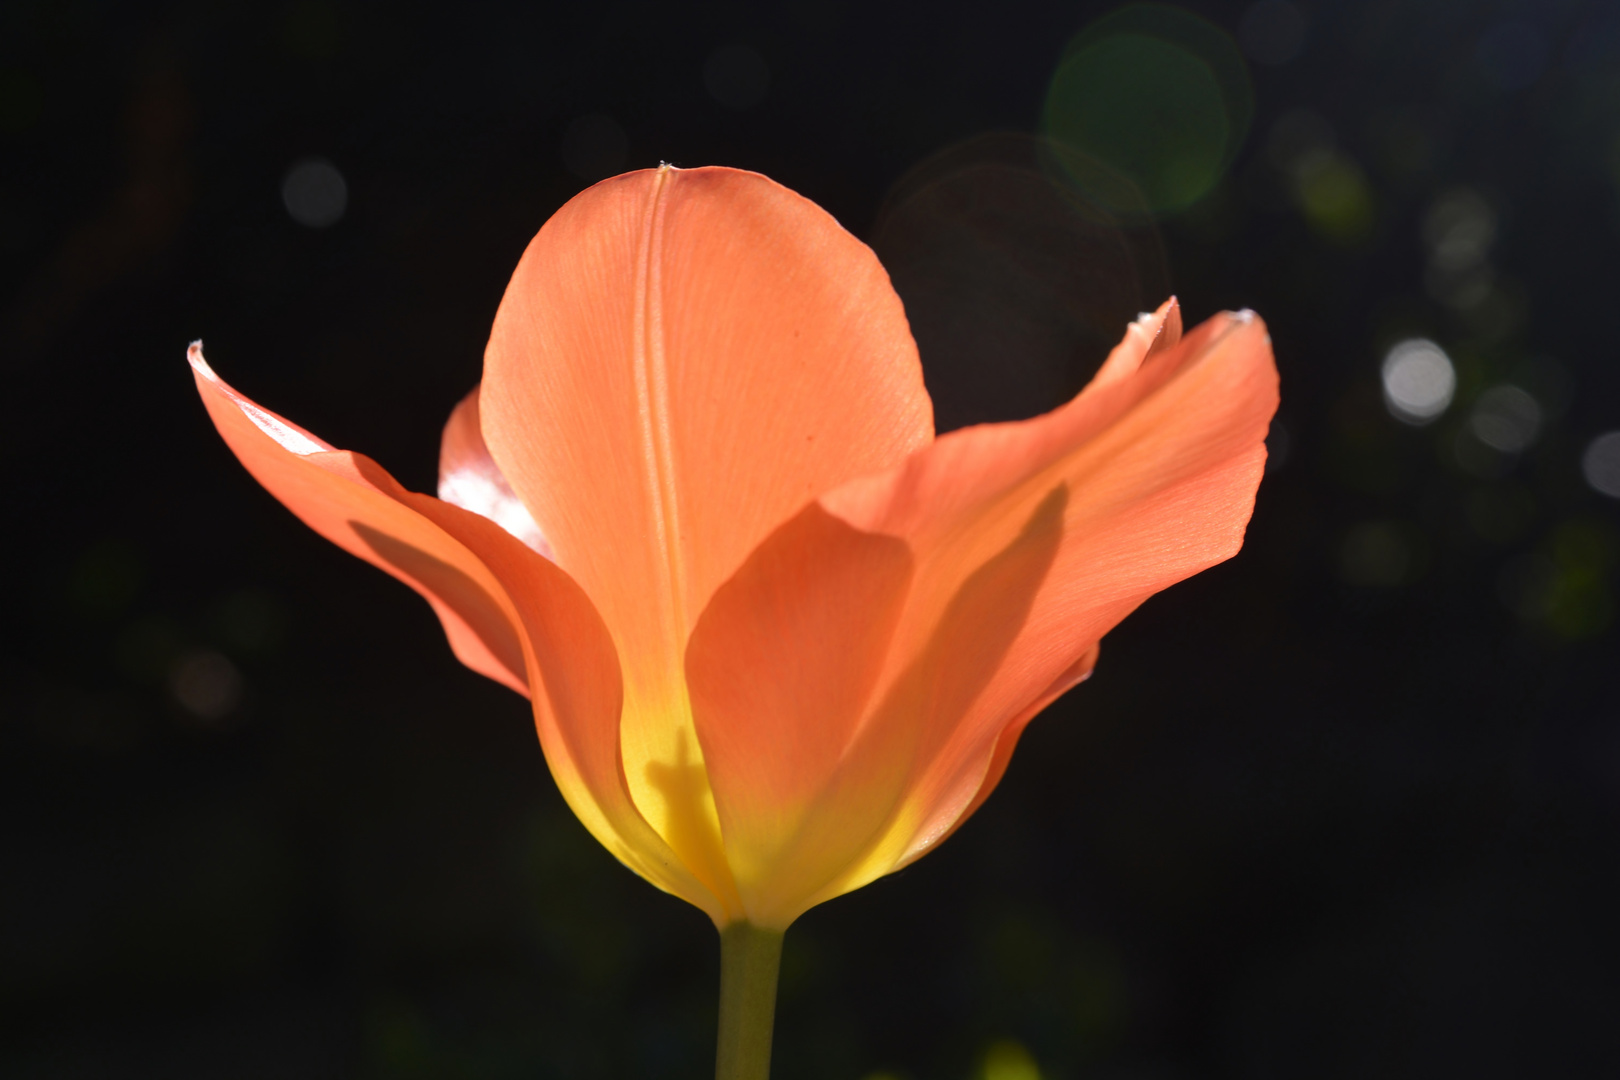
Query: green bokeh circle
point(1157, 93)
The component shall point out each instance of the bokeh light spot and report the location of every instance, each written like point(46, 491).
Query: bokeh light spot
point(1459, 230)
point(1564, 586)
point(1336, 198)
point(1298, 138)
point(1272, 32)
point(1009, 1060)
point(1506, 418)
point(1407, 146)
point(1375, 554)
point(1419, 380)
point(1327, 185)
point(1601, 464)
point(1463, 290)
point(594, 147)
point(1148, 108)
point(1156, 93)
point(736, 76)
point(315, 193)
point(207, 684)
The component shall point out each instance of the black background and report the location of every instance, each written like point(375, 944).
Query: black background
point(1320, 813)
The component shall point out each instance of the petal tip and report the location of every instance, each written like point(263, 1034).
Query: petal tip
point(194, 354)
point(288, 435)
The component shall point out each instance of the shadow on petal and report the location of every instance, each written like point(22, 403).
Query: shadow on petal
point(782, 668)
point(868, 807)
point(452, 588)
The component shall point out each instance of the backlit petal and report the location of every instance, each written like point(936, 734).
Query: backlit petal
point(470, 479)
point(1030, 541)
point(781, 667)
point(577, 699)
point(1161, 464)
point(682, 360)
point(330, 490)
point(506, 609)
point(853, 786)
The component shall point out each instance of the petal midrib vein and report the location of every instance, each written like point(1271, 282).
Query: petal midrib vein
point(653, 407)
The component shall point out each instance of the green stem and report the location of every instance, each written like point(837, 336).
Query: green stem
point(750, 958)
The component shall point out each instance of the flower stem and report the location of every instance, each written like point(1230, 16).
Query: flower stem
point(750, 958)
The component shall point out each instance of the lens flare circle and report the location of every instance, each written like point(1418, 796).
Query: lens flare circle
point(1157, 93)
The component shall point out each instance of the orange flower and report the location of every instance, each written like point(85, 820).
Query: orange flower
point(780, 640)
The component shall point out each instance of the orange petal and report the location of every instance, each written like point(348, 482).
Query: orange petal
point(330, 490)
point(851, 785)
point(470, 479)
point(506, 609)
point(577, 700)
point(1160, 461)
point(682, 360)
point(780, 668)
point(1150, 334)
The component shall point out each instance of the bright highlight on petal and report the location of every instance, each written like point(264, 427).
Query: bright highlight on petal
point(779, 639)
point(470, 479)
point(287, 435)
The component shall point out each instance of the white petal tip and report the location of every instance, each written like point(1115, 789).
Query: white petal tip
point(194, 353)
point(292, 439)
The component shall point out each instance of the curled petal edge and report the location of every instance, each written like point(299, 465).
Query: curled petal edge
point(1160, 458)
point(548, 643)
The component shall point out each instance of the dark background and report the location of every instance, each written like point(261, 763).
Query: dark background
point(1346, 806)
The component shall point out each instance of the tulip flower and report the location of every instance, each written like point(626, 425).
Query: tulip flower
point(780, 640)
